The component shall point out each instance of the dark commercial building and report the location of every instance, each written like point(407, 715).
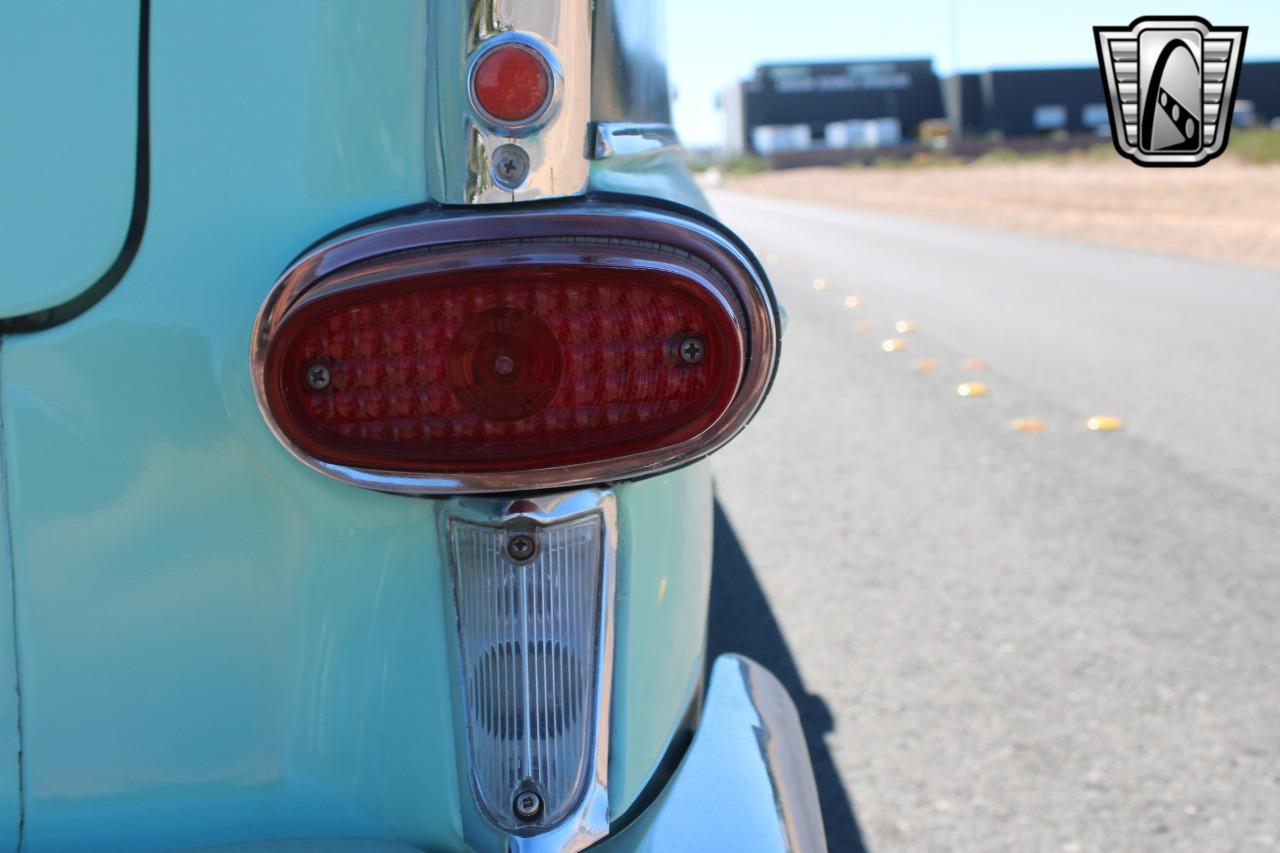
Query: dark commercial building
point(1036, 101)
point(1027, 102)
point(844, 104)
point(1259, 97)
point(876, 103)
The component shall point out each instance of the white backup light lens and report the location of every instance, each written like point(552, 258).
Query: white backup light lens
point(529, 634)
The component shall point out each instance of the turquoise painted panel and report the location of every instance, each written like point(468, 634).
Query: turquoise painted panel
point(10, 745)
point(221, 645)
point(663, 589)
point(218, 644)
point(69, 76)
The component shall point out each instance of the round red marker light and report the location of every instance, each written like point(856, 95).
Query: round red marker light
point(511, 83)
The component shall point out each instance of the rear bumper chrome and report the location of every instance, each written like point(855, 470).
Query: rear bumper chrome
point(745, 783)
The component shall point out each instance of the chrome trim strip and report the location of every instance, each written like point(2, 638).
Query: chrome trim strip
point(629, 63)
point(746, 782)
point(462, 139)
point(558, 226)
point(621, 139)
point(589, 822)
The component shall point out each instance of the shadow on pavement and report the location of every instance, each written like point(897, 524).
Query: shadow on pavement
point(741, 621)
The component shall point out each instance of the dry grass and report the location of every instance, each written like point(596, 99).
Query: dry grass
point(1227, 210)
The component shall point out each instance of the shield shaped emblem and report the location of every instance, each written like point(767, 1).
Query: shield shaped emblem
point(1171, 88)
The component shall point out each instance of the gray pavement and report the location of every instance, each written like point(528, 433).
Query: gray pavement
point(1063, 641)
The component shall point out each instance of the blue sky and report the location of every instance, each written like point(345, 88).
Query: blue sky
point(710, 43)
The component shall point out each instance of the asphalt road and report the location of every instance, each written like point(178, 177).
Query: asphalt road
point(1054, 641)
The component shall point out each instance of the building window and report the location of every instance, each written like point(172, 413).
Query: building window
point(863, 133)
point(1049, 117)
point(1244, 114)
point(773, 139)
point(1094, 115)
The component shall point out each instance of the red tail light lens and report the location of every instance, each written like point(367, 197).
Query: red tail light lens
point(511, 83)
point(520, 366)
point(522, 349)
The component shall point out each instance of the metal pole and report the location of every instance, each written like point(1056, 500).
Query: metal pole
point(955, 36)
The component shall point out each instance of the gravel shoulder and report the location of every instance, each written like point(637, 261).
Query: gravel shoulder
point(1223, 211)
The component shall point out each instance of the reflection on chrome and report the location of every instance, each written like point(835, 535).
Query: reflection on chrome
point(622, 139)
point(468, 139)
point(746, 782)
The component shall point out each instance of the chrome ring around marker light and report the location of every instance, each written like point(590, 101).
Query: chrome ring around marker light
point(555, 84)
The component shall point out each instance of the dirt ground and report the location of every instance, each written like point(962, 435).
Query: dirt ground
point(1222, 211)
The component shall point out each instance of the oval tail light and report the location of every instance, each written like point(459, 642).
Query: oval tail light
point(480, 351)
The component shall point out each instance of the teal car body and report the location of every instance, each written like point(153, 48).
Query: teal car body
point(209, 643)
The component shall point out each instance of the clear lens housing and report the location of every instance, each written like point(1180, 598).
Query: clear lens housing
point(529, 635)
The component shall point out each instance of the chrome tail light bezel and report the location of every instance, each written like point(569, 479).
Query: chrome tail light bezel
point(452, 233)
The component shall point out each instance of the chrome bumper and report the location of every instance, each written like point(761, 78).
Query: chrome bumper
point(746, 782)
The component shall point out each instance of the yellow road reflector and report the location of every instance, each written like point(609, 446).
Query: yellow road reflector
point(971, 389)
point(894, 345)
point(1104, 423)
point(820, 284)
point(771, 259)
point(904, 326)
point(862, 328)
point(974, 364)
point(1027, 425)
point(925, 364)
point(852, 302)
